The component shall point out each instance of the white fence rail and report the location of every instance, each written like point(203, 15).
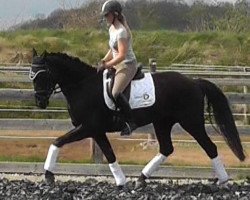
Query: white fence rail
point(223, 76)
point(235, 76)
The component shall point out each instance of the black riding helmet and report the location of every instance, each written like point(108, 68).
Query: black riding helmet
point(111, 6)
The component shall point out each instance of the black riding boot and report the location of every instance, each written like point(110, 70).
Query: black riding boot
point(125, 109)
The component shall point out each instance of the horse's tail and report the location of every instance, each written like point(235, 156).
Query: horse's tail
point(218, 104)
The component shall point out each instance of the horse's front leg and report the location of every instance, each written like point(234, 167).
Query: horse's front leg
point(115, 168)
point(76, 134)
point(163, 134)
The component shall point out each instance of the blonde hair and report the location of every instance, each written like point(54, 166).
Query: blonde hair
point(121, 17)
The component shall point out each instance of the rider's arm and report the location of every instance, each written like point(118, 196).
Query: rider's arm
point(108, 56)
point(122, 50)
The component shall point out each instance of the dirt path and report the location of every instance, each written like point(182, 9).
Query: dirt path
point(128, 150)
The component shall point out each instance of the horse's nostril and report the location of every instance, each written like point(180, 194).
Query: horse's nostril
point(42, 103)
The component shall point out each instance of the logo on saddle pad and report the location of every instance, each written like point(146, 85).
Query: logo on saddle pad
point(142, 92)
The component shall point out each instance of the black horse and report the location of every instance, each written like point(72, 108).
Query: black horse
point(179, 99)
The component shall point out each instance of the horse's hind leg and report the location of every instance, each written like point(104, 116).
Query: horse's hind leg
point(197, 130)
point(163, 134)
point(115, 168)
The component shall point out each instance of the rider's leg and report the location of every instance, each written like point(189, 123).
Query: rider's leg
point(125, 109)
point(124, 74)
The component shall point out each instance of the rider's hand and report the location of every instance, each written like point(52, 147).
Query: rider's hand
point(101, 66)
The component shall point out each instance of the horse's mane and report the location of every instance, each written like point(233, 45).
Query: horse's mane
point(72, 63)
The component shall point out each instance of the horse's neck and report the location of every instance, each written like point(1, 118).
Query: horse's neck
point(69, 68)
point(71, 73)
point(84, 86)
point(70, 76)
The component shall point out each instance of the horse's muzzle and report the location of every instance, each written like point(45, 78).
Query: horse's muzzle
point(41, 101)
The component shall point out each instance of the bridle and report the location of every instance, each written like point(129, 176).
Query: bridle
point(37, 69)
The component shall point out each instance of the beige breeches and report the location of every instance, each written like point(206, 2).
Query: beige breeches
point(124, 74)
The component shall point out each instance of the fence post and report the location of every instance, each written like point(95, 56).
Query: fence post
point(245, 91)
point(152, 64)
point(96, 152)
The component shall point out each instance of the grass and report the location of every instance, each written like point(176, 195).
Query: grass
point(166, 46)
point(37, 159)
point(16, 85)
point(33, 115)
point(21, 159)
point(30, 104)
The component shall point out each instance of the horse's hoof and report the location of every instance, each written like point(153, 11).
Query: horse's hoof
point(140, 184)
point(220, 184)
point(120, 187)
point(49, 178)
point(224, 185)
point(213, 180)
point(71, 188)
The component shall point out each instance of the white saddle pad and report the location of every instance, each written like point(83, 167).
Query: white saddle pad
point(142, 93)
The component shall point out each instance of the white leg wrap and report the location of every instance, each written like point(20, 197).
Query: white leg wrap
point(50, 162)
point(119, 176)
point(153, 165)
point(219, 170)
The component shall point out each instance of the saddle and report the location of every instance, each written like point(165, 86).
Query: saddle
point(111, 75)
point(140, 92)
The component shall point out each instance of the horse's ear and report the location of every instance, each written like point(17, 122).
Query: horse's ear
point(34, 53)
point(44, 54)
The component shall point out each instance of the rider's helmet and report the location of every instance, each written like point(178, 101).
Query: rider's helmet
point(111, 6)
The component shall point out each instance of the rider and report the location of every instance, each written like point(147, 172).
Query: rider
point(120, 57)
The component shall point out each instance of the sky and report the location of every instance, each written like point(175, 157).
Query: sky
point(13, 12)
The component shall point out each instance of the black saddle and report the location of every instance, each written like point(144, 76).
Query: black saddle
point(111, 74)
point(139, 74)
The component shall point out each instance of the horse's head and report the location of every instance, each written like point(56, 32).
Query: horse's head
point(50, 69)
point(43, 83)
